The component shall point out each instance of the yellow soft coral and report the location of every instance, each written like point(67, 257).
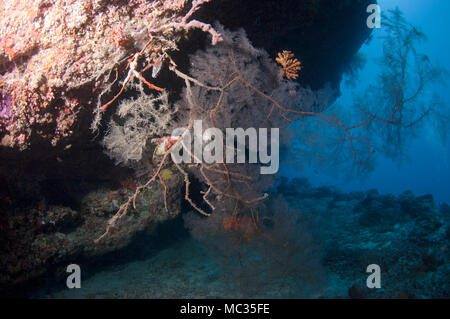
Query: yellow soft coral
point(290, 64)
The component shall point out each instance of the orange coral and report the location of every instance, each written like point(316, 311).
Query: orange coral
point(290, 64)
point(243, 225)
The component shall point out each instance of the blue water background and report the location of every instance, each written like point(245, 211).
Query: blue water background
point(428, 170)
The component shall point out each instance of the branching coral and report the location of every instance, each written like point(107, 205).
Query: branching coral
point(142, 117)
point(183, 25)
point(392, 111)
point(278, 258)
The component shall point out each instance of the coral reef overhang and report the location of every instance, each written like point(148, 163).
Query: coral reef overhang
point(56, 197)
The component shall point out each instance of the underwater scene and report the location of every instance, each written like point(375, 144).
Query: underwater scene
point(224, 149)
